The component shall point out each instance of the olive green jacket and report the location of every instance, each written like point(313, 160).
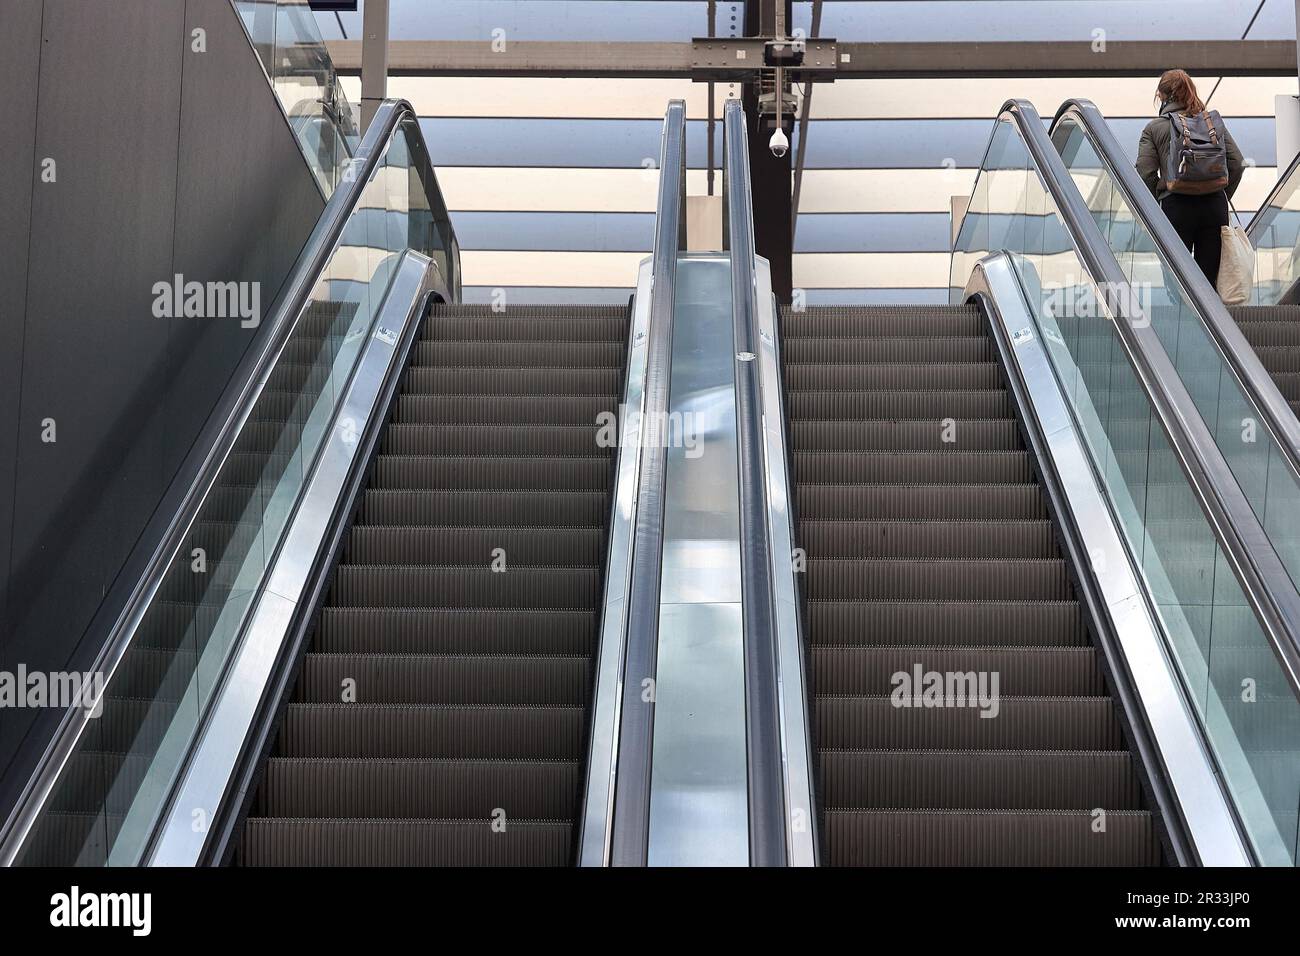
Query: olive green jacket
point(1153, 151)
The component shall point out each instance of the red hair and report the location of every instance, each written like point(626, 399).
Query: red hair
point(1176, 86)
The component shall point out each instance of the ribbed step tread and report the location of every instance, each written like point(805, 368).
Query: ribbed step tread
point(946, 623)
point(578, 441)
point(415, 586)
point(527, 509)
point(471, 410)
point(978, 779)
point(1019, 671)
point(966, 579)
point(423, 730)
point(883, 538)
point(512, 381)
point(518, 354)
point(848, 321)
point(950, 501)
point(891, 349)
point(989, 838)
point(516, 547)
point(443, 679)
point(1022, 723)
point(841, 404)
point(922, 467)
point(406, 472)
point(278, 841)
point(443, 630)
point(412, 789)
point(906, 435)
point(853, 377)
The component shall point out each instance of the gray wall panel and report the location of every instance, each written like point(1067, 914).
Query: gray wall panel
point(20, 47)
point(169, 160)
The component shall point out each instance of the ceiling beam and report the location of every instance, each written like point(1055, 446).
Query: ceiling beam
point(853, 60)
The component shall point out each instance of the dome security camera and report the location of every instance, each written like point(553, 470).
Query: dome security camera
point(779, 144)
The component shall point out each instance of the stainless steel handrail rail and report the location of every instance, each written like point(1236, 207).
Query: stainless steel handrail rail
point(1246, 367)
point(320, 246)
point(767, 817)
point(629, 841)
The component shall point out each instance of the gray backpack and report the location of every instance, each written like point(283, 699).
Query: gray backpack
point(1198, 157)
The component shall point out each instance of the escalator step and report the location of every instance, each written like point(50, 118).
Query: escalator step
point(444, 630)
point(989, 838)
point(849, 322)
point(1022, 723)
point(946, 624)
point(520, 547)
point(527, 509)
point(415, 586)
point(279, 841)
point(443, 679)
point(518, 354)
point(980, 502)
point(927, 539)
point(959, 375)
point(579, 441)
point(978, 779)
point(501, 409)
point(411, 789)
point(911, 579)
point(536, 473)
point(508, 381)
point(934, 435)
point(831, 351)
point(926, 467)
point(842, 404)
point(1021, 671)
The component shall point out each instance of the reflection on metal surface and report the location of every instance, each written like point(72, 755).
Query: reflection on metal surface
point(699, 790)
point(602, 760)
point(792, 690)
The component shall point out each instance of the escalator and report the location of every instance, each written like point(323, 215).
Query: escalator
point(930, 546)
point(1273, 331)
point(463, 613)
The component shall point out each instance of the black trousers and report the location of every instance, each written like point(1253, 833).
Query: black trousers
point(1198, 219)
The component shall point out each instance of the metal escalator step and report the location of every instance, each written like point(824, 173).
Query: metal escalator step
point(964, 579)
point(989, 838)
point(887, 320)
point(529, 509)
point(1022, 723)
point(419, 788)
point(580, 441)
point(1265, 333)
point(516, 354)
point(443, 679)
point(414, 586)
point(473, 410)
point(927, 539)
point(537, 473)
point(841, 502)
point(567, 324)
point(519, 547)
point(979, 779)
point(1279, 359)
point(1288, 383)
point(424, 730)
point(279, 841)
point(830, 350)
point(841, 404)
point(432, 380)
point(959, 375)
point(926, 467)
point(1021, 671)
point(934, 435)
point(946, 624)
point(446, 630)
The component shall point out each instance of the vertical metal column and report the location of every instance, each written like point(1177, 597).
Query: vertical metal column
point(374, 59)
point(771, 177)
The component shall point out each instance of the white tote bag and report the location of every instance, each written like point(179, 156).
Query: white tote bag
point(1236, 265)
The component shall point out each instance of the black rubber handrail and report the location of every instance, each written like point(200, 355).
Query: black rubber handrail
point(1264, 579)
point(767, 843)
point(1246, 367)
point(241, 395)
point(630, 830)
